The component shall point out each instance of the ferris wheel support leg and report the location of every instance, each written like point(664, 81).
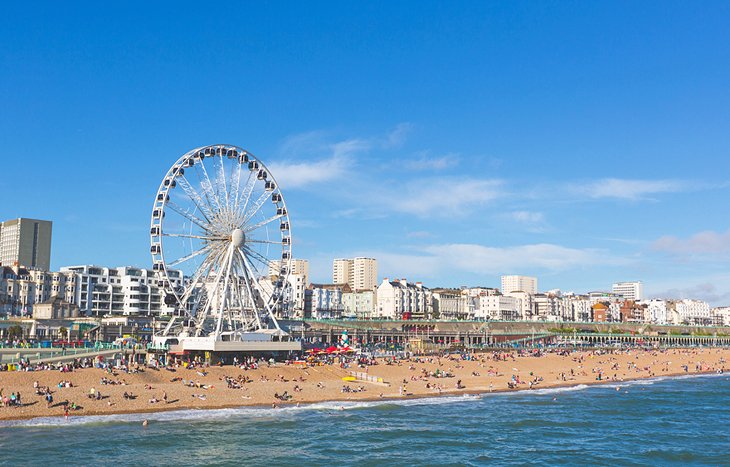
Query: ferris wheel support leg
point(247, 276)
point(224, 298)
point(207, 308)
point(269, 311)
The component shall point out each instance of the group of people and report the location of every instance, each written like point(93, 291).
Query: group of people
point(11, 401)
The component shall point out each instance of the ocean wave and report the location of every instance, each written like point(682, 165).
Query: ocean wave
point(259, 412)
point(578, 387)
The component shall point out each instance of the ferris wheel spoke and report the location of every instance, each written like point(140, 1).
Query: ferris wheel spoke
point(192, 255)
point(201, 237)
point(266, 242)
point(247, 192)
point(203, 270)
point(189, 216)
point(221, 179)
point(262, 223)
point(235, 187)
point(256, 206)
point(208, 187)
point(195, 196)
point(257, 256)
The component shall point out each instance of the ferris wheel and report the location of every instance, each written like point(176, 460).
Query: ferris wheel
point(219, 218)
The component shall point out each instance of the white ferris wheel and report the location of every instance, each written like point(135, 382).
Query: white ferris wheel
point(220, 219)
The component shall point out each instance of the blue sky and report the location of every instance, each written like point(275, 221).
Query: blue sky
point(580, 142)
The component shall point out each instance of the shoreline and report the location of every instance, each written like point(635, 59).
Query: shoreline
point(258, 394)
point(415, 397)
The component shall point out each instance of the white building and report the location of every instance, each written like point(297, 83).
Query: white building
point(324, 301)
point(519, 283)
point(525, 304)
point(400, 299)
point(450, 304)
point(721, 315)
point(359, 273)
point(298, 266)
point(26, 242)
point(298, 280)
point(498, 307)
point(103, 291)
point(21, 288)
point(656, 311)
point(359, 304)
point(580, 308)
point(629, 290)
point(692, 312)
point(552, 308)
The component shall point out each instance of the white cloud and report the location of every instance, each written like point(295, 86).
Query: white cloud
point(479, 260)
point(530, 220)
point(629, 189)
point(528, 217)
point(301, 174)
point(311, 159)
point(483, 259)
point(706, 289)
point(702, 243)
point(349, 147)
point(397, 137)
point(444, 196)
point(427, 162)
point(419, 234)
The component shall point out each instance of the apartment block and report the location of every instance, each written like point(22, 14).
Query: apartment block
point(629, 290)
point(519, 283)
point(359, 273)
point(26, 242)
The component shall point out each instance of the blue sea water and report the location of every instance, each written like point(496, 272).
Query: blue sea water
point(672, 421)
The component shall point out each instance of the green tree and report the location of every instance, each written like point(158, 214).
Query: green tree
point(15, 331)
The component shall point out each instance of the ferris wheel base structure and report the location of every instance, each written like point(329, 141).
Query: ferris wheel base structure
point(258, 342)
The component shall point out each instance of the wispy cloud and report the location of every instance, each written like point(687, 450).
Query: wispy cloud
point(702, 243)
point(629, 189)
point(398, 136)
point(419, 234)
point(427, 162)
point(531, 220)
point(301, 174)
point(311, 158)
point(706, 291)
point(443, 197)
point(479, 260)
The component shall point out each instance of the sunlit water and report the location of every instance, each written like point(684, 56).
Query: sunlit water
point(676, 421)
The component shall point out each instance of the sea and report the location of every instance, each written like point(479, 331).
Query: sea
point(661, 421)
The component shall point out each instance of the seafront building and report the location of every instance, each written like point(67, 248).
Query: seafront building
point(126, 291)
point(359, 273)
point(21, 288)
point(325, 301)
point(26, 242)
point(400, 299)
point(519, 283)
point(298, 280)
point(629, 290)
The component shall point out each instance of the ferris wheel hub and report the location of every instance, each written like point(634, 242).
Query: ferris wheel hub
point(238, 237)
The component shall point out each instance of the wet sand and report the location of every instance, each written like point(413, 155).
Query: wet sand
point(406, 379)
